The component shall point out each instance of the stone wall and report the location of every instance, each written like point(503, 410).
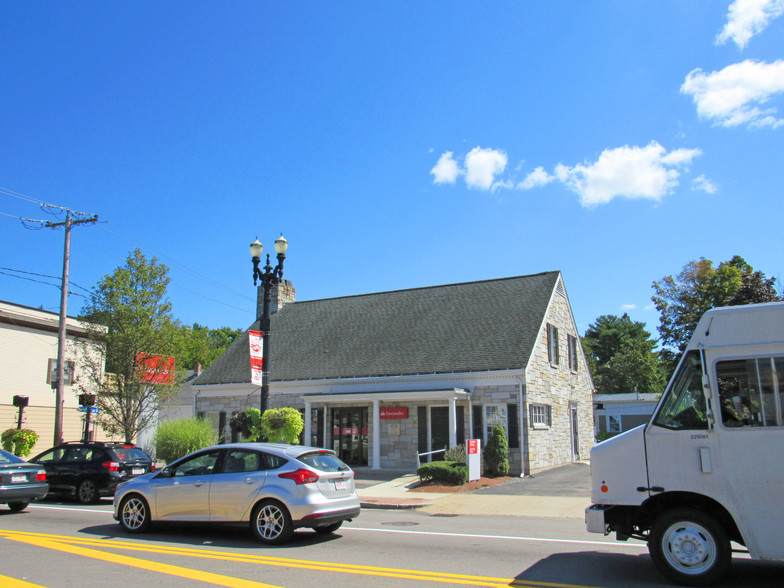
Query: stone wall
point(559, 387)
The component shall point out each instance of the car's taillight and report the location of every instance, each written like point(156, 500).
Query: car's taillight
point(40, 476)
point(152, 468)
point(300, 476)
point(112, 466)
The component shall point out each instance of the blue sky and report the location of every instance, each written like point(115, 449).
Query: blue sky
point(395, 145)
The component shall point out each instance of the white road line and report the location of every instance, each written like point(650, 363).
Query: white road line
point(68, 508)
point(504, 537)
point(428, 533)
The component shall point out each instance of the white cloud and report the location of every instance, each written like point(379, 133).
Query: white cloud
point(446, 171)
point(482, 166)
point(730, 97)
point(629, 172)
point(747, 18)
point(626, 307)
point(704, 184)
point(536, 179)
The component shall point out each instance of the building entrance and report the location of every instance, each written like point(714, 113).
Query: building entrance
point(349, 435)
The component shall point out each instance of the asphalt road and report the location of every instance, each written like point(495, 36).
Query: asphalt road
point(66, 544)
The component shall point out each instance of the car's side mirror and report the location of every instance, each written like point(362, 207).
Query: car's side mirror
point(164, 473)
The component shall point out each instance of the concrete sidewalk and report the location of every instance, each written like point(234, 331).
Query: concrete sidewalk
point(513, 499)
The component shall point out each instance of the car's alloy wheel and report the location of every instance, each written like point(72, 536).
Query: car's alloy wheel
point(18, 506)
point(271, 523)
point(135, 514)
point(87, 492)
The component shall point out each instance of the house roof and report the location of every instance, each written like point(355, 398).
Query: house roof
point(456, 328)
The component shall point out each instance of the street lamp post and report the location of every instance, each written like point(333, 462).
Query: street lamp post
point(269, 277)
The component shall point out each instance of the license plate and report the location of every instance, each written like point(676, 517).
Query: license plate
point(137, 471)
point(16, 478)
point(340, 484)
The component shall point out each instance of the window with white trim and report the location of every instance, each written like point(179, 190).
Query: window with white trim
point(68, 372)
point(552, 345)
point(541, 416)
point(495, 414)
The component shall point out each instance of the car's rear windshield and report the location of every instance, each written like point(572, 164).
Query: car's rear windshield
point(324, 461)
point(6, 458)
point(130, 454)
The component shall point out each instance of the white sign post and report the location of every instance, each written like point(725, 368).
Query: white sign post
point(474, 459)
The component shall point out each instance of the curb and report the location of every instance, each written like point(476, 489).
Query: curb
point(391, 504)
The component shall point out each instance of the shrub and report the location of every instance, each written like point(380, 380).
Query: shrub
point(20, 442)
point(246, 423)
point(179, 437)
point(496, 453)
point(456, 454)
point(282, 425)
point(450, 472)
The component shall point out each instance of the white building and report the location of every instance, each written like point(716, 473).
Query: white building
point(616, 413)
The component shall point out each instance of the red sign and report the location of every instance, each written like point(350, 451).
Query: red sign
point(155, 369)
point(473, 446)
point(393, 412)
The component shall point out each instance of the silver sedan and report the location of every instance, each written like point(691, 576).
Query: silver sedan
point(276, 488)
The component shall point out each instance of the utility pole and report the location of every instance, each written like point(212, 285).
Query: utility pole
point(62, 331)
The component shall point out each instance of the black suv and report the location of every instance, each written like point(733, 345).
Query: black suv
point(93, 469)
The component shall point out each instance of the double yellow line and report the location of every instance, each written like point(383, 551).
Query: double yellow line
point(86, 547)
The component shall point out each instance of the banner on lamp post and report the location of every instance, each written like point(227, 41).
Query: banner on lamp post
point(256, 356)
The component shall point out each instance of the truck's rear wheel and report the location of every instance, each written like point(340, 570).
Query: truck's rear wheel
point(689, 547)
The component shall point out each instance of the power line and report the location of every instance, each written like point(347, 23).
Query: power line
point(82, 217)
point(70, 292)
point(177, 263)
point(10, 269)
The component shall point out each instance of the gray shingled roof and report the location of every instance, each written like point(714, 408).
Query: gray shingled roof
point(469, 327)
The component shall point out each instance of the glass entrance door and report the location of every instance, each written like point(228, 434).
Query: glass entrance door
point(349, 434)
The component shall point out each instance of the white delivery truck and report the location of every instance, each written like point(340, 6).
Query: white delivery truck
point(708, 468)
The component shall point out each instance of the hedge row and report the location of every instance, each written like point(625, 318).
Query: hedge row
point(450, 472)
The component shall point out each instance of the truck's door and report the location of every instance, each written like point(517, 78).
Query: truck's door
point(751, 437)
point(681, 452)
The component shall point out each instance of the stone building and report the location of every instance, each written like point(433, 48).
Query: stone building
point(384, 378)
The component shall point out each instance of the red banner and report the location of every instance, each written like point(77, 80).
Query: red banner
point(256, 341)
point(155, 369)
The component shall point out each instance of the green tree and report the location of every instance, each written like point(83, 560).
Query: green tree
point(682, 299)
point(128, 313)
point(621, 356)
point(496, 453)
point(200, 345)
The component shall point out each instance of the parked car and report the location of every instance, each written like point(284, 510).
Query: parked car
point(275, 488)
point(93, 469)
point(20, 482)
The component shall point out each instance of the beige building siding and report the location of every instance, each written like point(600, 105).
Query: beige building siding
point(28, 340)
point(559, 387)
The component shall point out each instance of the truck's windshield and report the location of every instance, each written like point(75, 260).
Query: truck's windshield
point(684, 405)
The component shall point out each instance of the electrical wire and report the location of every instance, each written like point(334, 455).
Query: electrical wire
point(10, 269)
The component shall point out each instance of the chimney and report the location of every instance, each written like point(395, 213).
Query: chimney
point(280, 295)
